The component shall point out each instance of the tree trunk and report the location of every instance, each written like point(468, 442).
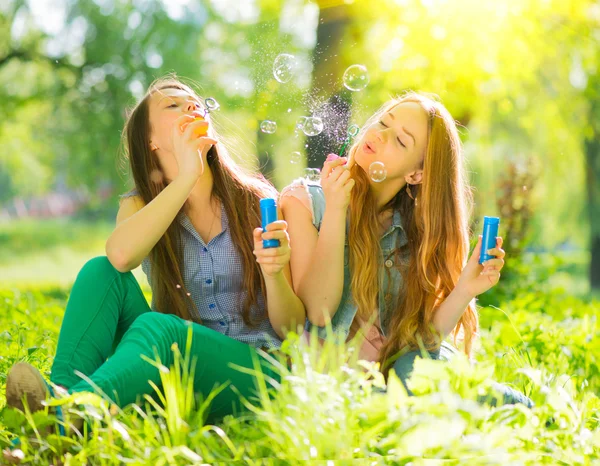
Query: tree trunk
point(592, 155)
point(327, 77)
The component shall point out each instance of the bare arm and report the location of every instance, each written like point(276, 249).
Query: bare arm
point(475, 279)
point(317, 260)
point(139, 226)
point(285, 309)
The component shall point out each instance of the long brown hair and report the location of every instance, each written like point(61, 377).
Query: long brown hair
point(437, 228)
point(238, 191)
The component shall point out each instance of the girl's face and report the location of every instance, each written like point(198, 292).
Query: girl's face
point(164, 107)
point(399, 141)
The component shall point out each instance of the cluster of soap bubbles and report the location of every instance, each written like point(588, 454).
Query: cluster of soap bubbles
point(355, 78)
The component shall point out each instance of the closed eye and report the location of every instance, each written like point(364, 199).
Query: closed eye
point(397, 138)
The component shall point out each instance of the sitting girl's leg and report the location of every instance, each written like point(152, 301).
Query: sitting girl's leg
point(102, 305)
point(405, 363)
point(125, 375)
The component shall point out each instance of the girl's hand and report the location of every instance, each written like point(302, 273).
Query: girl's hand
point(478, 278)
point(272, 260)
point(189, 146)
point(336, 183)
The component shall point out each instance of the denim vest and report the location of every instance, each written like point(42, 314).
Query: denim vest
point(390, 279)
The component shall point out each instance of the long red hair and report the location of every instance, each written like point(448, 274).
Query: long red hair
point(437, 227)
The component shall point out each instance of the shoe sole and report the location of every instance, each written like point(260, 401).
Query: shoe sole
point(25, 382)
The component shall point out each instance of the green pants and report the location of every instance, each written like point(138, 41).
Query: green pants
point(108, 326)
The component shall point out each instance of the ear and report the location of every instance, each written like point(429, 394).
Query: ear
point(415, 177)
point(153, 146)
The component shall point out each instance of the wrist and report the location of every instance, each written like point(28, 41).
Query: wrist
point(187, 177)
point(463, 294)
point(275, 279)
point(336, 213)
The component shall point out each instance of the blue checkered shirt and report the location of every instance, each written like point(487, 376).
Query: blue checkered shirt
point(213, 274)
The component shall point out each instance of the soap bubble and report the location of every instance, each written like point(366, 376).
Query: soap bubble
point(299, 126)
point(312, 126)
point(313, 174)
point(300, 122)
point(284, 67)
point(377, 172)
point(268, 126)
point(295, 157)
point(356, 77)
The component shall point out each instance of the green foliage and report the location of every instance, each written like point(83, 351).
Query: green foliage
point(329, 407)
point(523, 85)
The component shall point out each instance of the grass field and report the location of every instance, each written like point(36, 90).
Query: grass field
point(541, 340)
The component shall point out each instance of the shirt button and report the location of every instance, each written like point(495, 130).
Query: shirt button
point(389, 263)
point(211, 306)
point(209, 281)
point(205, 249)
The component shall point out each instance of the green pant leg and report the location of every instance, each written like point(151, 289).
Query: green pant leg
point(102, 306)
point(124, 377)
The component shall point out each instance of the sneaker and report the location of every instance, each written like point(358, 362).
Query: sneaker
point(24, 382)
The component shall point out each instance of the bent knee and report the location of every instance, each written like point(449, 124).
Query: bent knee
point(98, 267)
point(159, 322)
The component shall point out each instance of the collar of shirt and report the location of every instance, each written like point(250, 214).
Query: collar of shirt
point(186, 223)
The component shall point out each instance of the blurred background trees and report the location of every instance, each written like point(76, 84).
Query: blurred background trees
point(521, 77)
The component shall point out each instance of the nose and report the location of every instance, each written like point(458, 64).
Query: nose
point(190, 107)
point(381, 135)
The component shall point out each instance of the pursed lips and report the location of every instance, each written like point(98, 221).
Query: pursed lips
point(368, 148)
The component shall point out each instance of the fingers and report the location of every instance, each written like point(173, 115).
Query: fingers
point(329, 167)
point(497, 252)
point(343, 176)
point(206, 141)
point(277, 225)
point(493, 276)
point(279, 256)
point(257, 234)
point(350, 163)
point(183, 120)
point(338, 177)
point(477, 251)
point(349, 185)
point(276, 230)
point(493, 264)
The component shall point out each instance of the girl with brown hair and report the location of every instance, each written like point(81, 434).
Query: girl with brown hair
point(381, 243)
point(193, 222)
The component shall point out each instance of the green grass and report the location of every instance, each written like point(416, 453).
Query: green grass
point(546, 346)
point(51, 252)
point(534, 337)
